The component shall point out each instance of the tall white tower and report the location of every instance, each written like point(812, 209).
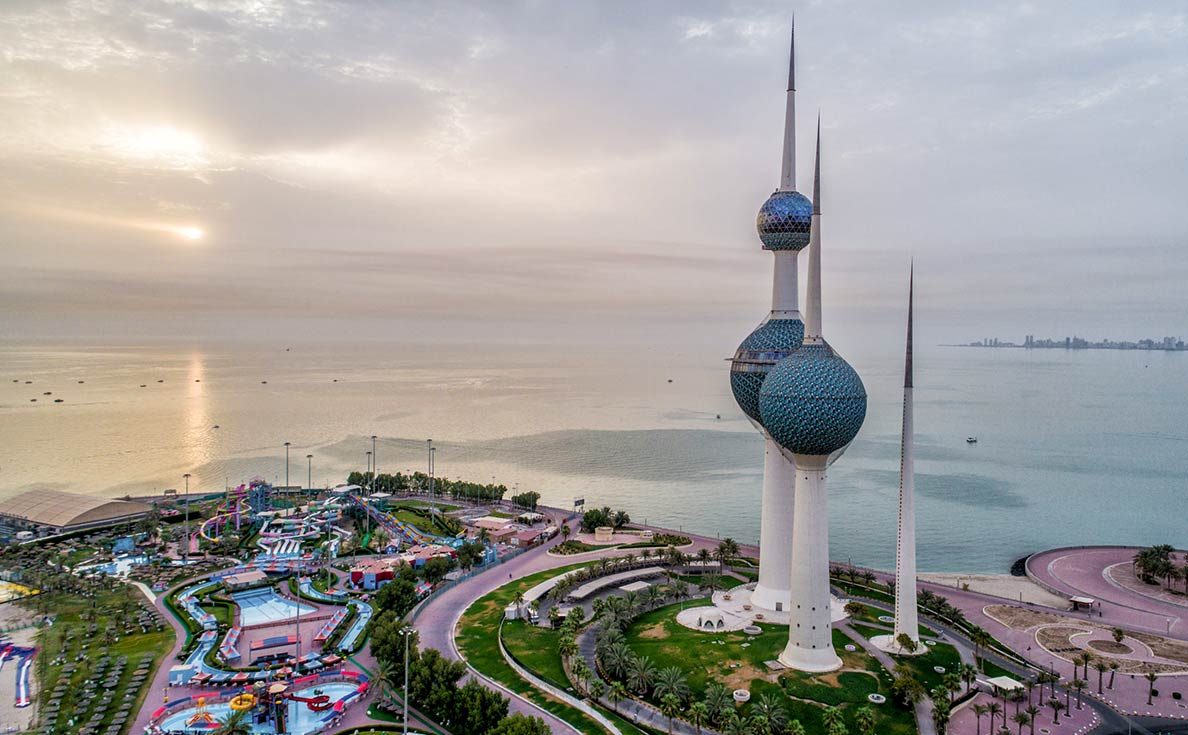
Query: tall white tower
point(812, 404)
point(783, 224)
point(906, 618)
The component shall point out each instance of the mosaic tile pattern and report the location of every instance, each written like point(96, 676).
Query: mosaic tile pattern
point(759, 352)
point(812, 402)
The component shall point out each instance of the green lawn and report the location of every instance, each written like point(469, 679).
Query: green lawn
point(478, 642)
point(536, 649)
point(737, 660)
point(70, 634)
point(942, 654)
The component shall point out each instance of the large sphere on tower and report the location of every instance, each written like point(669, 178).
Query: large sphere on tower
point(771, 342)
point(812, 402)
point(784, 221)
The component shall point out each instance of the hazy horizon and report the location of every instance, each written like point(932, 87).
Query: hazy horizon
point(584, 173)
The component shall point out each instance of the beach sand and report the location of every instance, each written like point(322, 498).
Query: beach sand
point(13, 719)
point(1001, 585)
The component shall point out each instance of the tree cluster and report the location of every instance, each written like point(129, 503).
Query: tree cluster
point(526, 500)
point(1158, 563)
point(603, 516)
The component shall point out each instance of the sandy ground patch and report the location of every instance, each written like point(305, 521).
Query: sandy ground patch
point(1020, 618)
point(1000, 585)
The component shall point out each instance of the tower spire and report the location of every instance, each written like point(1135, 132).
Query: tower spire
point(907, 369)
point(788, 170)
point(812, 305)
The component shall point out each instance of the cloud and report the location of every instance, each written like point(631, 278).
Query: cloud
point(589, 161)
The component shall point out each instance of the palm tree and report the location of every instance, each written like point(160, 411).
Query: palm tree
point(581, 672)
point(981, 639)
point(670, 706)
point(736, 725)
point(767, 706)
point(698, 714)
point(1079, 685)
point(1150, 676)
point(994, 708)
point(1021, 719)
point(864, 718)
point(640, 674)
point(952, 684)
point(795, 728)
point(1056, 706)
point(832, 718)
point(671, 680)
point(565, 531)
point(1101, 667)
point(979, 710)
point(617, 693)
point(596, 689)
point(718, 700)
point(1032, 711)
point(237, 723)
point(567, 646)
point(385, 678)
point(617, 658)
point(968, 675)
point(1113, 670)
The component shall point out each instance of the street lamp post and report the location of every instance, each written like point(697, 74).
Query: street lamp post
point(309, 471)
point(374, 462)
point(286, 464)
point(429, 455)
point(186, 548)
point(370, 488)
point(407, 633)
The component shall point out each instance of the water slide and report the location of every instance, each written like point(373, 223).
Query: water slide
point(406, 533)
point(320, 703)
point(233, 509)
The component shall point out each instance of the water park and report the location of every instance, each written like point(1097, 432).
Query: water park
point(304, 705)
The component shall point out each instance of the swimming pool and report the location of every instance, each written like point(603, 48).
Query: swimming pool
point(302, 720)
point(260, 607)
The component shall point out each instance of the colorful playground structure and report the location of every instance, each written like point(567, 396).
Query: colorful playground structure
point(245, 502)
point(300, 707)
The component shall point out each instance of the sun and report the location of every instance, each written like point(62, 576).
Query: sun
point(190, 233)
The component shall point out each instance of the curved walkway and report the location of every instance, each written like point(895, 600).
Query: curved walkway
point(1083, 571)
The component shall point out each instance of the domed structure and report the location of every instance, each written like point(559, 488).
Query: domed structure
point(813, 402)
point(759, 352)
point(784, 221)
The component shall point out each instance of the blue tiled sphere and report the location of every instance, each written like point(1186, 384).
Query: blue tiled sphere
point(759, 352)
point(784, 221)
point(812, 402)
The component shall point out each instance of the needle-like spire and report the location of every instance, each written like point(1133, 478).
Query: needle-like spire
point(788, 171)
point(907, 370)
point(812, 306)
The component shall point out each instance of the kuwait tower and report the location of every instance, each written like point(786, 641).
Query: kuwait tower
point(812, 403)
point(783, 223)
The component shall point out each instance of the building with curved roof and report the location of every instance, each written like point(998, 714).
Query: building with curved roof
point(54, 511)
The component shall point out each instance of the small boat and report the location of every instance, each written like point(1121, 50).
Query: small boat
point(57, 400)
point(263, 382)
point(216, 426)
point(160, 381)
point(971, 440)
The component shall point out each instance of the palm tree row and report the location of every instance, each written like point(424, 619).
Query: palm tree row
point(1157, 563)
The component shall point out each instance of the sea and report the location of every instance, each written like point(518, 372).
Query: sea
point(1073, 447)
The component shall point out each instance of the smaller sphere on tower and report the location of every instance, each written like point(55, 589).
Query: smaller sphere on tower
point(784, 221)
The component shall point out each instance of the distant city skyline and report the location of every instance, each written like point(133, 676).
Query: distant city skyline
point(1167, 344)
point(581, 173)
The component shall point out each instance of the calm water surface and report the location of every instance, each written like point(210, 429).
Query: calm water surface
point(1086, 447)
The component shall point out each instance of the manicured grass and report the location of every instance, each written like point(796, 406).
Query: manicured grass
point(737, 660)
point(70, 633)
point(535, 648)
point(477, 640)
point(573, 546)
point(942, 654)
point(991, 669)
point(871, 615)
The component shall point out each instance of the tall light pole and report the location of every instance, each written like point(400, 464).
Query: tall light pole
point(374, 461)
point(430, 465)
point(407, 633)
point(287, 464)
point(186, 548)
point(367, 510)
point(309, 471)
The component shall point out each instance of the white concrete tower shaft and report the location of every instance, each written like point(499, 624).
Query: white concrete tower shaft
point(810, 629)
point(779, 478)
point(906, 619)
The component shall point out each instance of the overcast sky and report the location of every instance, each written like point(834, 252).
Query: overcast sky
point(586, 171)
